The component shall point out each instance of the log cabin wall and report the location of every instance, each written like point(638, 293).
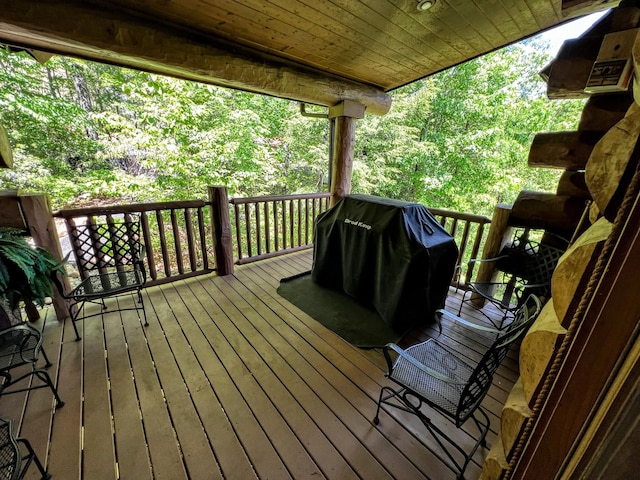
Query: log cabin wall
point(598, 161)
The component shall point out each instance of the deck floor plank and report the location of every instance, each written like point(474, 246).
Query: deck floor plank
point(333, 388)
point(230, 380)
point(210, 365)
point(348, 384)
point(99, 458)
point(270, 393)
point(214, 420)
point(65, 453)
point(259, 361)
point(127, 418)
point(422, 457)
point(160, 387)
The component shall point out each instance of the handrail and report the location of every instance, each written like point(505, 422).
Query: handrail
point(274, 225)
point(473, 227)
point(175, 235)
point(261, 227)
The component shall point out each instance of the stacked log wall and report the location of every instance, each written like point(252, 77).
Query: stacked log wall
point(597, 161)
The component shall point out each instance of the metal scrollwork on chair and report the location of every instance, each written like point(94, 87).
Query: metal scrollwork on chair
point(13, 463)
point(110, 258)
point(526, 267)
point(430, 374)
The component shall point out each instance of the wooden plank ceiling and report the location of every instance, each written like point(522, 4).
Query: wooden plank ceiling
point(337, 46)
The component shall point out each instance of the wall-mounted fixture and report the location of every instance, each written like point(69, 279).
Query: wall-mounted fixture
point(424, 5)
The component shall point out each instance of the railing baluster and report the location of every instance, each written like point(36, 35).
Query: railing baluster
point(247, 222)
point(236, 211)
point(163, 244)
point(177, 243)
point(284, 224)
point(306, 221)
point(267, 227)
point(291, 231)
point(148, 245)
point(190, 240)
point(258, 229)
point(299, 218)
point(276, 228)
point(203, 242)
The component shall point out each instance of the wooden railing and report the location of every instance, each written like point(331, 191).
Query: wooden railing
point(177, 235)
point(469, 232)
point(268, 226)
point(180, 243)
point(274, 225)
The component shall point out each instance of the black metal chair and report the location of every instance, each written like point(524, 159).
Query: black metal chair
point(21, 345)
point(13, 464)
point(431, 374)
point(525, 267)
point(110, 259)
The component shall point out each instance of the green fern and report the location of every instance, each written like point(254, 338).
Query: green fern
point(25, 272)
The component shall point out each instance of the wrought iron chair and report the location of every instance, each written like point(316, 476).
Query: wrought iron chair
point(21, 345)
point(13, 464)
point(526, 268)
point(431, 374)
point(110, 259)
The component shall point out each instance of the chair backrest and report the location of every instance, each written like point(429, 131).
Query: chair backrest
point(528, 262)
point(104, 246)
point(482, 376)
point(9, 453)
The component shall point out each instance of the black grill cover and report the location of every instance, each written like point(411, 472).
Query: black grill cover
point(388, 254)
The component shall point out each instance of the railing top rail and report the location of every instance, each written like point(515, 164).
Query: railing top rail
point(460, 215)
point(277, 198)
point(128, 208)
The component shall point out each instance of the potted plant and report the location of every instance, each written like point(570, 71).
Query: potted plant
point(25, 275)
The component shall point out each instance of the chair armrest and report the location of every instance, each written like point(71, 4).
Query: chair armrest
point(443, 313)
point(416, 363)
point(492, 259)
point(29, 332)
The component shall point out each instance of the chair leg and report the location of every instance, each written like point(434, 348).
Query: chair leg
point(44, 376)
point(47, 363)
point(462, 301)
point(32, 456)
point(445, 443)
point(144, 311)
point(74, 316)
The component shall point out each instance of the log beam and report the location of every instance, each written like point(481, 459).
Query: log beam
point(566, 150)
point(105, 34)
point(602, 112)
point(567, 75)
point(546, 211)
point(612, 162)
point(572, 183)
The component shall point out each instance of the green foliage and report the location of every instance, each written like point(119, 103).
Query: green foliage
point(87, 132)
point(24, 271)
point(460, 139)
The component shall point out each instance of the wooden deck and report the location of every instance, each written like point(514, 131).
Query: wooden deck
point(230, 381)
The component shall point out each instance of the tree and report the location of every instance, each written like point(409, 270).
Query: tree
point(460, 139)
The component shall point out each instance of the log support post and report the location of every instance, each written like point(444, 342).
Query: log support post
point(344, 115)
point(221, 230)
point(499, 233)
point(38, 217)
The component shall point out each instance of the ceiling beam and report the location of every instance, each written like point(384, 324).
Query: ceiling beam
point(75, 28)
